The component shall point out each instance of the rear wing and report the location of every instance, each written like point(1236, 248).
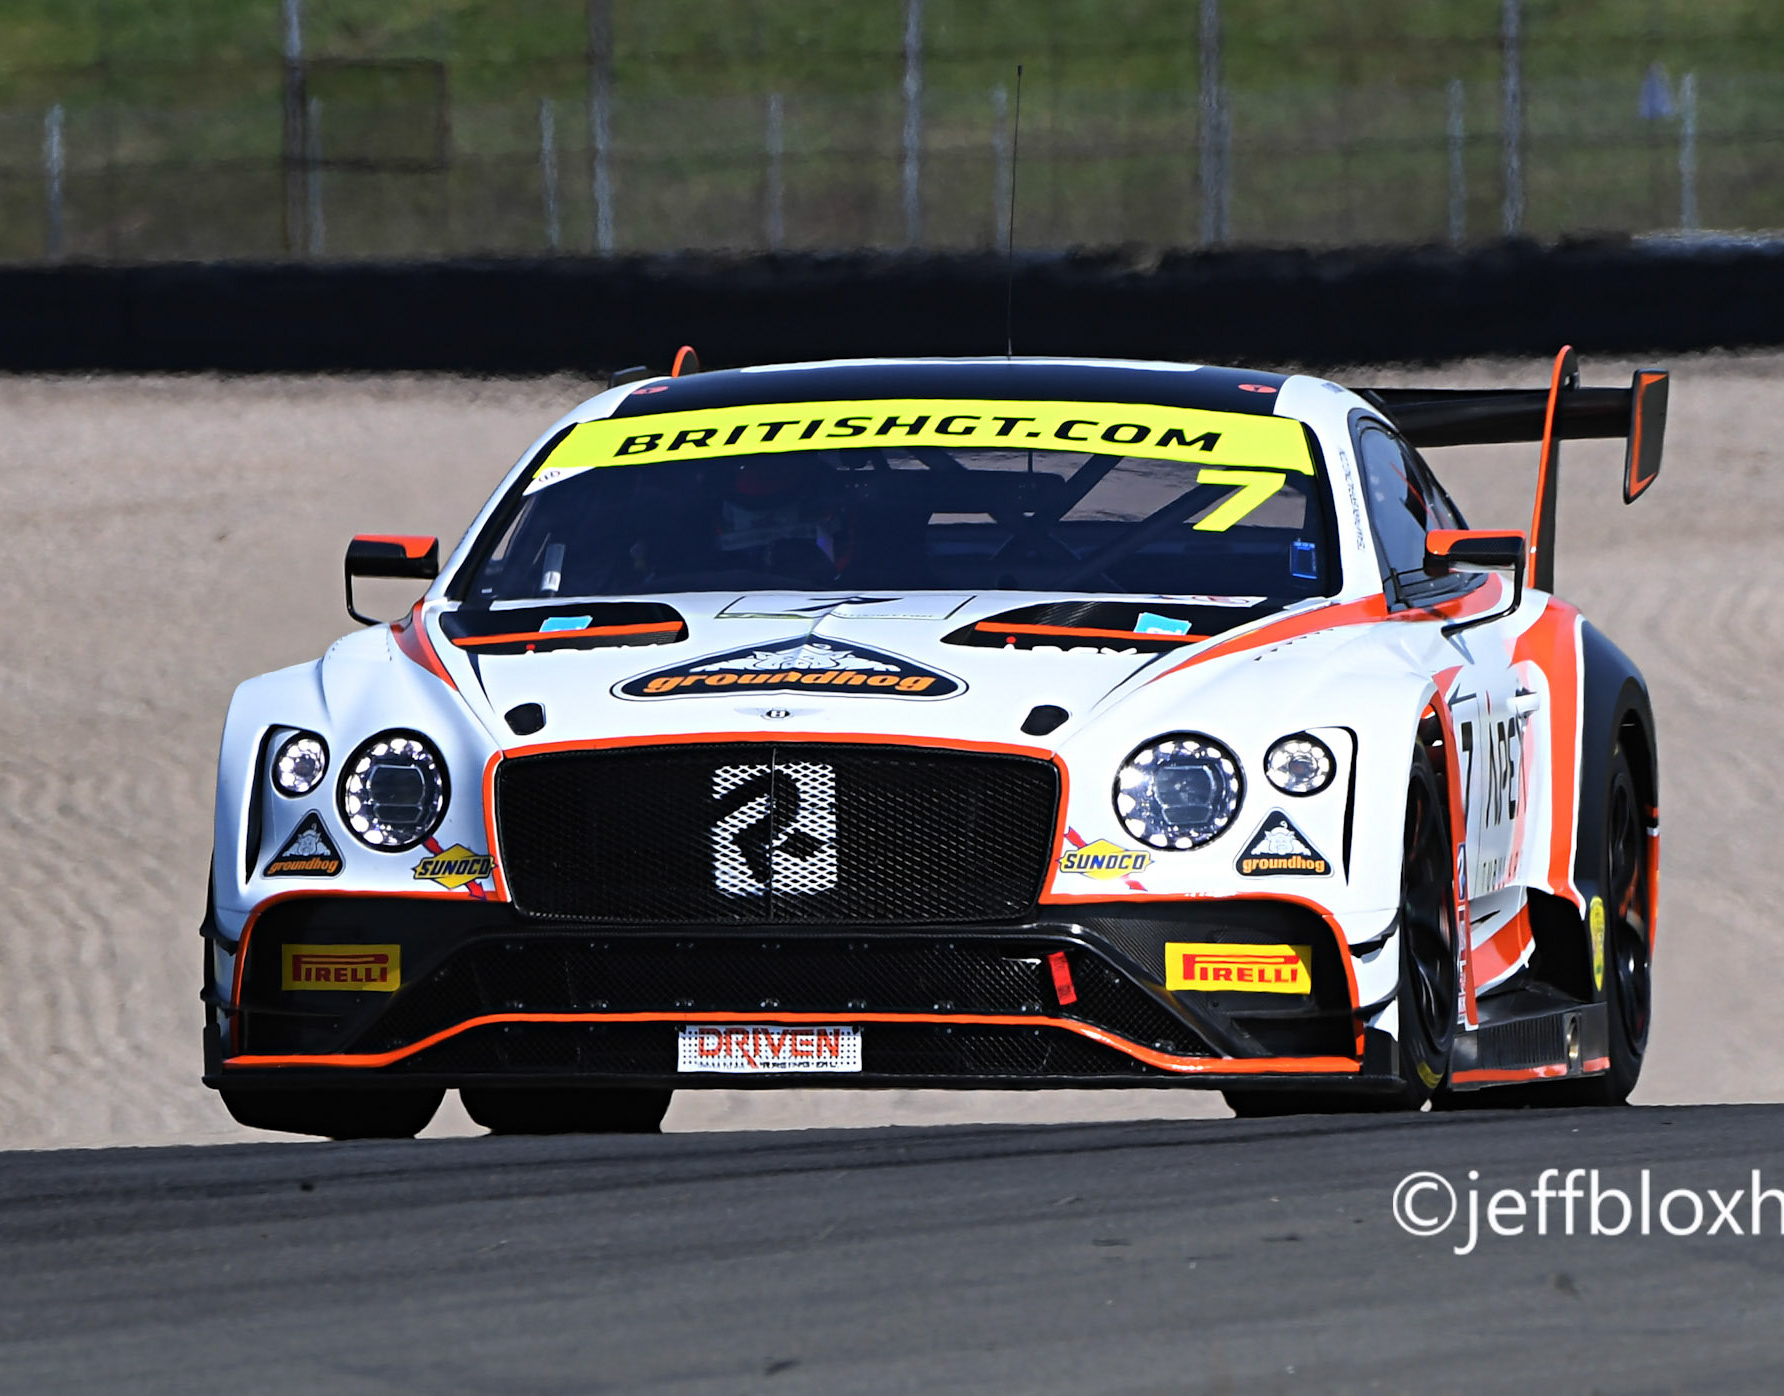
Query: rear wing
point(1566, 412)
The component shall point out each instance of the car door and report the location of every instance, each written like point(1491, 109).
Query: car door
point(1472, 667)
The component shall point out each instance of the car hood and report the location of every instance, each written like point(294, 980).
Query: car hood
point(923, 665)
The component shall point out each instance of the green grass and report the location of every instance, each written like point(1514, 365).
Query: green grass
point(174, 122)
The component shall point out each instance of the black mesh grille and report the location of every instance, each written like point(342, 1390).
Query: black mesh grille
point(563, 974)
point(901, 1051)
point(761, 833)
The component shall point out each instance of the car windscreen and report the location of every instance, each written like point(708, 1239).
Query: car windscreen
point(1099, 497)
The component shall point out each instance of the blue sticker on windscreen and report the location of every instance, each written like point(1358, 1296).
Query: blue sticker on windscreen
point(1303, 561)
point(565, 623)
point(1150, 623)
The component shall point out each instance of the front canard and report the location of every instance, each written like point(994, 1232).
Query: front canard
point(813, 667)
point(374, 969)
point(1245, 969)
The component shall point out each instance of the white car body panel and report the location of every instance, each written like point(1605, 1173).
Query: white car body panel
point(1360, 681)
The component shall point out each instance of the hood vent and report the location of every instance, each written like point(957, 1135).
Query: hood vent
point(563, 625)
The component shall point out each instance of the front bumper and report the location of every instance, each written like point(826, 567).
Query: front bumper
point(487, 995)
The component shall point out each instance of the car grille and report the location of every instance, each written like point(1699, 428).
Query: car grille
point(902, 1052)
point(556, 973)
point(775, 833)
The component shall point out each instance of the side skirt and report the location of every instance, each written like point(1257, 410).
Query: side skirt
point(1531, 1036)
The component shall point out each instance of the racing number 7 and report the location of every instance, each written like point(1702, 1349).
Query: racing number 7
point(1251, 488)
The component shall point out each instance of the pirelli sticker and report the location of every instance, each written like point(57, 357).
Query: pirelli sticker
point(1245, 969)
point(1120, 428)
point(375, 969)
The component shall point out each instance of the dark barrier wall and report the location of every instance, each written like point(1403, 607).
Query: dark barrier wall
point(595, 315)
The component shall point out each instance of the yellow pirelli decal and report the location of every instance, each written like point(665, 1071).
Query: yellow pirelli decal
point(374, 969)
point(1245, 969)
point(1231, 439)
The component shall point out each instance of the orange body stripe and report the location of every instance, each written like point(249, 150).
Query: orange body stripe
point(414, 545)
point(1368, 611)
point(1503, 951)
point(1552, 644)
point(1458, 853)
point(1519, 1073)
point(991, 627)
point(1240, 1066)
point(650, 628)
point(1639, 483)
point(1544, 471)
point(411, 638)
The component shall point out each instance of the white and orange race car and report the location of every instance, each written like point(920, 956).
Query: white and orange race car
point(953, 723)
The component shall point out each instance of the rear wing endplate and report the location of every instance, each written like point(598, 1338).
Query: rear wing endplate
point(1430, 417)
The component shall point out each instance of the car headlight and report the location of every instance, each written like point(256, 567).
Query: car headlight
point(393, 791)
point(299, 764)
point(1179, 791)
point(1300, 765)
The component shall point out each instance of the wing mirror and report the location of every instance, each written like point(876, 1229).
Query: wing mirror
point(1450, 550)
point(389, 555)
point(1647, 432)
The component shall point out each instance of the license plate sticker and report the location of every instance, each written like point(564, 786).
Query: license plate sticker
point(746, 1050)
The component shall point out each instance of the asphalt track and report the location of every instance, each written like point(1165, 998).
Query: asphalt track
point(1218, 1256)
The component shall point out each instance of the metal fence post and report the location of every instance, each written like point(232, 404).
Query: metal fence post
point(913, 120)
point(548, 172)
point(1688, 153)
point(1216, 146)
point(1512, 36)
point(1458, 190)
point(600, 111)
point(52, 182)
point(1000, 158)
point(295, 141)
point(776, 192)
point(313, 176)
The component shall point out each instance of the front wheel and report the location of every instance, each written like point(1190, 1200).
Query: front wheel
point(334, 1113)
point(1428, 976)
point(1620, 947)
point(566, 1109)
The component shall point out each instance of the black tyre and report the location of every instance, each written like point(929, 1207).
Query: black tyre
point(1428, 982)
point(336, 1112)
point(566, 1109)
point(1628, 969)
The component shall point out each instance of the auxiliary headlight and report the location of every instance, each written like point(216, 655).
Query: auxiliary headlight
point(1300, 765)
point(299, 764)
point(393, 791)
point(1179, 791)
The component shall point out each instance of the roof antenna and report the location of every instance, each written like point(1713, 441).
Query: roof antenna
point(1010, 246)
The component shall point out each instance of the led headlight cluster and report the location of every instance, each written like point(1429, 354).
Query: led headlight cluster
point(1179, 791)
point(1300, 765)
point(393, 791)
point(299, 764)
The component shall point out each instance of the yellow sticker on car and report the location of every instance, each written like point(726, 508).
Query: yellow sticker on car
point(374, 969)
point(1188, 435)
point(1595, 922)
point(1245, 969)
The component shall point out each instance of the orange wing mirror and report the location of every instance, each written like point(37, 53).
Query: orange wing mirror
point(1450, 550)
point(389, 555)
point(1647, 432)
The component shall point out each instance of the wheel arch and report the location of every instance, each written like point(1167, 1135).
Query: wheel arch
point(1616, 711)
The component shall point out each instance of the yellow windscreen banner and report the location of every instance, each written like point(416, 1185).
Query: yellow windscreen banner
point(1113, 428)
